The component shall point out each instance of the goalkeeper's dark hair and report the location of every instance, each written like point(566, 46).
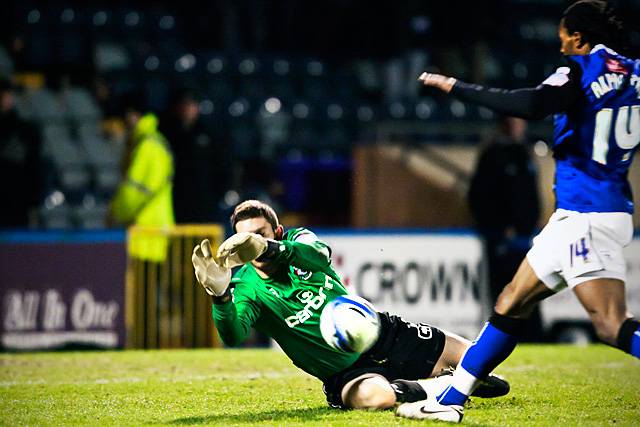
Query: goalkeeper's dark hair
point(254, 209)
point(596, 20)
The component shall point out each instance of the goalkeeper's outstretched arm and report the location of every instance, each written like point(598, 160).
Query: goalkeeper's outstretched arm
point(234, 319)
point(305, 251)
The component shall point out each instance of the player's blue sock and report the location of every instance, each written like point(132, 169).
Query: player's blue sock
point(629, 337)
point(495, 343)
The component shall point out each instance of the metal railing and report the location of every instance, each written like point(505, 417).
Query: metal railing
point(165, 306)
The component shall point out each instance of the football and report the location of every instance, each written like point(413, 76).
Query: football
point(350, 323)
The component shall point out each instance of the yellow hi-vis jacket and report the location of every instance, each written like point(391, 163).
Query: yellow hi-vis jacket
point(145, 196)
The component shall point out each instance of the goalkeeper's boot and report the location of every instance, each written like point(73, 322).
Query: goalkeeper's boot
point(432, 410)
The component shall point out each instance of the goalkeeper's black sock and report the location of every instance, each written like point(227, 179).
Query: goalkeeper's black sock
point(408, 391)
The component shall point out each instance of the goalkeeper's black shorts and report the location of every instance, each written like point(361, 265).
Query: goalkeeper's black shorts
point(404, 350)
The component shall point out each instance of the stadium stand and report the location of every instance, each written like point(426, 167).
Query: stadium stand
point(260, 93)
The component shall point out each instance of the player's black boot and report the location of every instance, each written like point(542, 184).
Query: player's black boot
point(491, 386)
point(414, 391)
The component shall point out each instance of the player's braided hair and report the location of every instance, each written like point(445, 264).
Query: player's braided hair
point(597, 22)
point(254, 209)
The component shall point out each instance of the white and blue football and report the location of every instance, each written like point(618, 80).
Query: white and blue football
point(350, 324)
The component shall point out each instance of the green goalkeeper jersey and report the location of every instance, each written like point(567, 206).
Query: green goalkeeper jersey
point(287, 306)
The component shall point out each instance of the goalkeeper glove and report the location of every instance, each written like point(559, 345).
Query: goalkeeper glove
point(210, 274)
point(242, 248)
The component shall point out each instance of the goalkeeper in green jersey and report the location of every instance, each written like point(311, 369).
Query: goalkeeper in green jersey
point(285, 280)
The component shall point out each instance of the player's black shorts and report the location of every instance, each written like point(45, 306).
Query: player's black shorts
point(404, 350)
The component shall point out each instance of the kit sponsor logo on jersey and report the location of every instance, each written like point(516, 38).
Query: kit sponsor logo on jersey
point(311, 301)
point(615, 66)
point(302, 274)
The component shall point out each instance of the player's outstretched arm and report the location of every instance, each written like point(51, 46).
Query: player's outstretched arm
point(305, 251)
point(232, 319)
point(554, 95)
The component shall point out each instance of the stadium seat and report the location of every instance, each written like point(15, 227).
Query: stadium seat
point(72, 45)
point(253, 88)
point(109, 56)
point(306, 118)
point(54, 213)
point(105, 180)
point(214, 111)
point(335, 127)
point(165, 25)
point(6, 63)
point(367, 116)
point(69, 163)
point(540, 29)
point(153, 63)
point(89, 215)
point(103, 159)
point(215, 64)
point(281, 87)
point(249, 66)
point(218, 81)
point(458, 110)
point(74, 180)
point(426, 109)
point(184, 65)
point(398, 110)
point(99, 20)
point(366, 113)
point(345, 86)
point(273, 126)
point(126, 22)
point(220, 89)
point(242, 128)
point(38, 51)
point(486, 114)
point(43, 105)
point(80, 105)
point(279, 80)
point(120, 83)
point(158, 92)
point(280, 67)
point(314, 81)
point(54, 134)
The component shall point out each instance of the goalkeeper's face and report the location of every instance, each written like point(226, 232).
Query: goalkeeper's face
point(261, 226)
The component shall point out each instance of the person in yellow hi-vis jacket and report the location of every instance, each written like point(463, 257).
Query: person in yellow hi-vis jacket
point(144, 195)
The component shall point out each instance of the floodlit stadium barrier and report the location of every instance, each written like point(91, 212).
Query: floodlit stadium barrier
point(165, 306)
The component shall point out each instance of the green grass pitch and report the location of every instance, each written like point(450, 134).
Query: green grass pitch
point(551, 385)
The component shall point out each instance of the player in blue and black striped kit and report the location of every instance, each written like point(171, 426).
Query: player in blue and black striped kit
point(595, 97)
